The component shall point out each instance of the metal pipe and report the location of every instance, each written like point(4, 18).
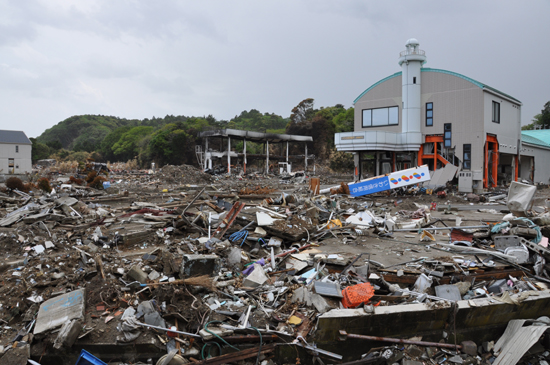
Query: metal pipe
point(344, 335)
point(417, 294)
point(511, 259)
point(229, 155)
point(250, 338)
point(245, 161)
point(168, 330)
point(245, 321)
point(283, 254)
point(314, 348)
point(439, 228)
point(267, 157)
point(192, 201)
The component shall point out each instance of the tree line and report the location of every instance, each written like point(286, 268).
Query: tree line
point(541, 120)
point(172, 139)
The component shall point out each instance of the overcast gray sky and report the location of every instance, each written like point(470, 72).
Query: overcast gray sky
point(142, 58)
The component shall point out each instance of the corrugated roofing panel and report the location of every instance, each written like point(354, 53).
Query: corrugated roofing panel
point(511, 329)
point(519, 344)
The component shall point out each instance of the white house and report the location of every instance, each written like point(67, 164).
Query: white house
point(535, 154)
point(15, 152)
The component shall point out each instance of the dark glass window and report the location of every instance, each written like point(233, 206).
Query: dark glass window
point(380, 117)
point(429, 114)
point(447, 136)
point(467, 157)
point(496, 112)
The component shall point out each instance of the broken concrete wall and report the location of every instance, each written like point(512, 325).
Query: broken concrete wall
point(476, 319)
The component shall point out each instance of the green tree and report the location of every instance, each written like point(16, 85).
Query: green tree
point(54, 145)
point(40, 151)
point(303, 112)
point(70, 129)
point(170, 144)
point(540, 120)
point(106, 145)
point(90, 139)
point(343, 121)
point(127, 146)
point(545, 115)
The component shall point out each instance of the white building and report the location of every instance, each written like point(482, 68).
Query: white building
point(15, 152)
point(435, 117)
point(535, 154)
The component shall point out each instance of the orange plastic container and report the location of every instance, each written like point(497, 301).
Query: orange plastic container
point(354, 295)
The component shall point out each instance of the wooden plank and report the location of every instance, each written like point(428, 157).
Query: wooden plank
point(214, 206)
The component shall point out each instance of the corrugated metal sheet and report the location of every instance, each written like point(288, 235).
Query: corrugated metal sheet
point(513, 326)
point(523, 339)
point(441, 176)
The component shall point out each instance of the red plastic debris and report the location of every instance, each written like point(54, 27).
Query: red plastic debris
point(354, 295)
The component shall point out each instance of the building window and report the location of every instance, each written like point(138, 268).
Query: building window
point(429, 114)
point(380, 117)
point(496, 112)
point(414, 80)
point(467, 157)
point(447, 136)
point(16, 149)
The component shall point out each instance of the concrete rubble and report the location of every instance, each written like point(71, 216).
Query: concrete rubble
point(176, 266)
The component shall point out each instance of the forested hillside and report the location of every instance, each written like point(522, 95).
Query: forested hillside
point(172, 139)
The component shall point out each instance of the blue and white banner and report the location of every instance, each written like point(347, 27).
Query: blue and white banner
point(370, 186)
point(391, 181)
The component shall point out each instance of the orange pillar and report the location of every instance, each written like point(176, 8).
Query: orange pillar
point(494, 165)
point(494, 168)
point(486, 166)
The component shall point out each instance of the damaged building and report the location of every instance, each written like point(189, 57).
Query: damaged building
point(436, 117)
point(535, 147)
point(219, 150)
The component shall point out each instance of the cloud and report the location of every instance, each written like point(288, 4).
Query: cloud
point(139, 58)
point(84, 90)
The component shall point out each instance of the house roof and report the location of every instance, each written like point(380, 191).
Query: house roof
point(14, 137)
point(427, 69)
point(539, 137)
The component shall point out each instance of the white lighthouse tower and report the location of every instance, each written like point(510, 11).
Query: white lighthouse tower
point(411, 61)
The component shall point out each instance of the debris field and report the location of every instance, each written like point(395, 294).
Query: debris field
point(178, 266)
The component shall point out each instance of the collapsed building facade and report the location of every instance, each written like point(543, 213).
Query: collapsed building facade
point(219, 150)
point(436, 117)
